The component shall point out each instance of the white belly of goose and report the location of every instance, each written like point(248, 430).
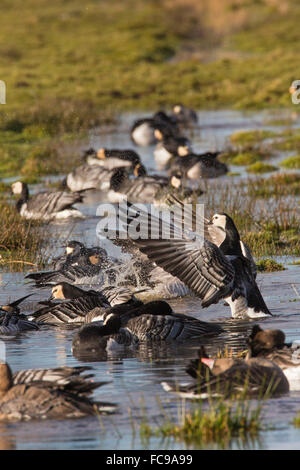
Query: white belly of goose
point(161, 157)
point(143, 135)
point(65, 214)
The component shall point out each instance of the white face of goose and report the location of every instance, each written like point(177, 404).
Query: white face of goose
point(176, 182)
point(219, 220)
point(158, 134)
point(57, 292)
point(177, 109)
point(17, 187)
point(183, 150)
point(69, 250)
point(101, 154)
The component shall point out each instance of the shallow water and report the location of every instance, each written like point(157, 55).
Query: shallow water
point(134, 376)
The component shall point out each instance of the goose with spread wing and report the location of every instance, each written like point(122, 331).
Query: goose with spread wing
point(213, 270)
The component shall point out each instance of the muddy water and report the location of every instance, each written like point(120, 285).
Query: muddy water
point(134, 376)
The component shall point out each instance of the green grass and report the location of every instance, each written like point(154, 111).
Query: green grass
point(296, 420)
point(269, 265)
point(261, 167)
point(291, 163)
point(250, 137)
point(247, 156)
point(70, 66)
point(281, 184)
point(218, 421)
point(21, 241)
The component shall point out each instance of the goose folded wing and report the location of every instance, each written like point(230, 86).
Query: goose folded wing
point(195, 261)
point(53, 202)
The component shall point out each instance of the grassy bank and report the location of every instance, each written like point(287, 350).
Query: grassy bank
point(69, 66)
point(20, 240)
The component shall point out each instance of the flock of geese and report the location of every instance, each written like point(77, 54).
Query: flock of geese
point(216, 267)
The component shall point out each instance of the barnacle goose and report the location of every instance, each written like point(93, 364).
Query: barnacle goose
point(270, 344)
point(46, 205)
point(86, 268)
point(143, 188)
point(86, 177)
point(12, 321)
point(59, 393)
point(195, 166)
point(228, 377)
point(73, 250)
point(184, 115)
point(142, 130)
point(153, 321)
point(111, 158)
point(170, 146)
point(212, 272)
point(75, 305)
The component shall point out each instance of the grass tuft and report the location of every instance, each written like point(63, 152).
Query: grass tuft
point(261, 167)
point(269, 265)
point(20, 240)
point(291, 163)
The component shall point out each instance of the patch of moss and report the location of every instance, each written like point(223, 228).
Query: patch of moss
point(261, 167)
point(244, 158)
point(250, 137)
point(269, 265)
point(291, 163)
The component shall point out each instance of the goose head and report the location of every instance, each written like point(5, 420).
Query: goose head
point(73, 247)
point(265, 340)
point(18, 187)
point(139, 170)
point(101, 154)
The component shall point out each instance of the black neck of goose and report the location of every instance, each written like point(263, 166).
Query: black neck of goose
point(231, 245)
point(24, 196)
point(118, 179)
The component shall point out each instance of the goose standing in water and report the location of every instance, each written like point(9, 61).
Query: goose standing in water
point(60, 393)
point(213, 270)
point(113, 158)
point(228, 377)
point(142, 131)
point(270, 344)
point(46, 205)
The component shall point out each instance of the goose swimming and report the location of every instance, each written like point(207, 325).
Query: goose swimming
point(60, 393)
point(12, 321)
point(112, 158)
point(213, 270)
point(86, 268)
point(73, 251)
point(228, 377)
point(77, 305)
point(153, 321)
point(142, 130)
point(46, 205)
point(196, 167)
point(143, 188)
point(270, 344)
point(184, 115)
point(170, 146)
